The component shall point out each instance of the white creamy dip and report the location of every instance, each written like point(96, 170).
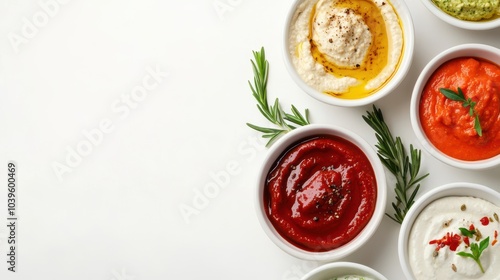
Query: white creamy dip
point(352, 277)
point(445, 216)
point(360, 58)
point(341, 34)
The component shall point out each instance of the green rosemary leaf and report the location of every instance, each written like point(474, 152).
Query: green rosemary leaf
point(262, 129)
point(405, 169)
point(274, 114)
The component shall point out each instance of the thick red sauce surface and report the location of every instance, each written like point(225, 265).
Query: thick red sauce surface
point(321, 193)
point(448, 124)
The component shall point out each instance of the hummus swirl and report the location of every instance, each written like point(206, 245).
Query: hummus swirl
point(445, 216)
point(341, 35)
point(346, 48)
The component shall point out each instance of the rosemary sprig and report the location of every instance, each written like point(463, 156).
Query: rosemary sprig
point(393, 155)
point(459, 96)
point(285, 122)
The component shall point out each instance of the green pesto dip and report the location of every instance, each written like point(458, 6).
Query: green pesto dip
point(473, 10)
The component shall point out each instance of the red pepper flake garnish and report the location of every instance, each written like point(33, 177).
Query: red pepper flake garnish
point(450, 240)
point(466, 241)
point(485, 221)
point(471, 227)
point(496, 238)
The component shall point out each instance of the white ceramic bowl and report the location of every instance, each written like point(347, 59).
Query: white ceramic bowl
point(397, 78)
point(466, 50)
point(278, 148)
point(470, 25)
point(452, 189)
point(338, 269)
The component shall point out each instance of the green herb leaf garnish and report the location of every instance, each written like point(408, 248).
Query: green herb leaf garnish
point(393, 155)
point(476, 251)
point(466, 102)
point(285, 122)
point(466, 232)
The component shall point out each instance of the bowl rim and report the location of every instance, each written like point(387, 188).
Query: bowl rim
point(449, 189)
point(278, 148)
point(464, 24)
point(397, 78)
point(347, 265)
point(462, 50)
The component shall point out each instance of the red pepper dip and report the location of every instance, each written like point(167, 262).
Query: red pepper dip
point(321, 193)
point(448, 124)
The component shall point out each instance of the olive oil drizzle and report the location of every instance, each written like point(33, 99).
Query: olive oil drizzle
point(377, 55)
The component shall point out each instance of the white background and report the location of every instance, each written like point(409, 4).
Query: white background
point(115, 213)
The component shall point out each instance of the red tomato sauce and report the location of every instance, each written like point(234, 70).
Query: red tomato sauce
point(321, 193)
point(448, 124)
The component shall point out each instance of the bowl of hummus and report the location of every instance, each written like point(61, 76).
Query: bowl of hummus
point(321, 192)
point(455, 106)
point(348, 52)
point(343, 271)
point(466, 14)
point(451, 232)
